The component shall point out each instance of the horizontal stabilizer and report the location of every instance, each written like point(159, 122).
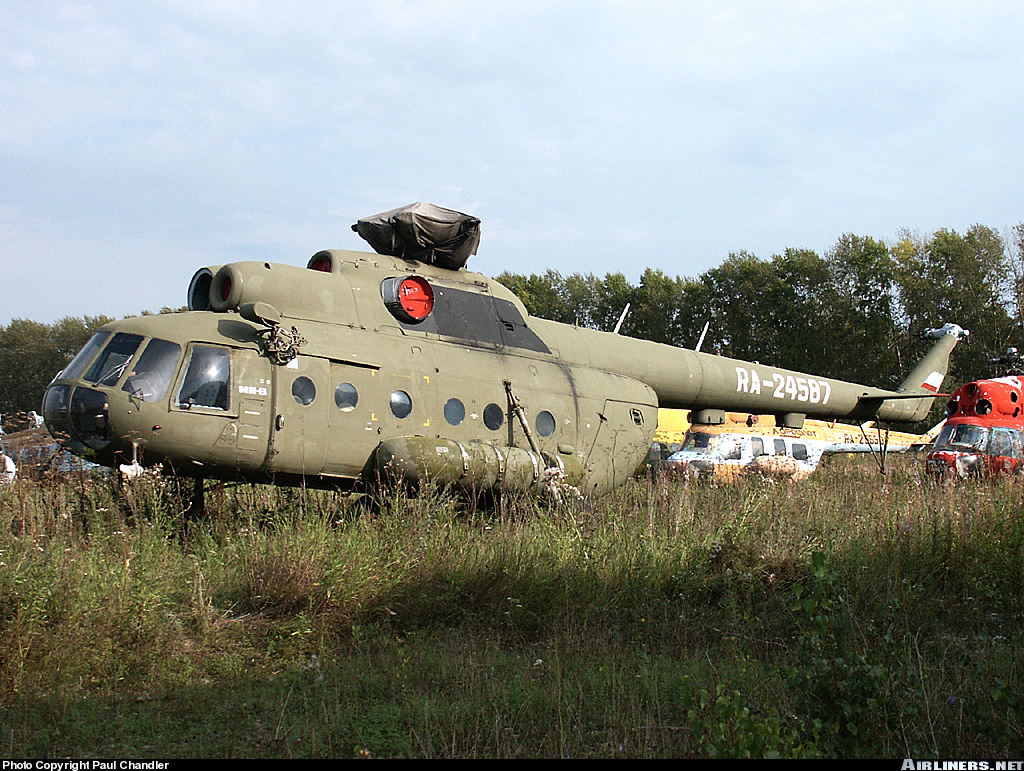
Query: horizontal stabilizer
point(887, 397)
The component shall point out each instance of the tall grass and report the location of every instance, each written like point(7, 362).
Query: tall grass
point(852, 615)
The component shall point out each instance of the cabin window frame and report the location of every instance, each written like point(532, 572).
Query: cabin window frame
point(1017, 443)
point(155, 367)
point(454, 411)
point(400, 403)
point(231, 410)
point(107, 369)
point(1000, 433)
point(346, 396)
point(84, 358)
point(304, 390)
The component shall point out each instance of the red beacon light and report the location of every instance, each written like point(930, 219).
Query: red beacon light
point(408, 298)
point(321, 262)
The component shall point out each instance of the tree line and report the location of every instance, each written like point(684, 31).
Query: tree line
point(852, 314)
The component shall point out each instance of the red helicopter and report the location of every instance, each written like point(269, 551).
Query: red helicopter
point(983, 435)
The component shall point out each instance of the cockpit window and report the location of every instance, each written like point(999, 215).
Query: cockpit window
point(81, 361)
point(700, 442)
point(152, 374)
point(962, 436)
point(107, 369)
point(1000, 443)
point(207, 379)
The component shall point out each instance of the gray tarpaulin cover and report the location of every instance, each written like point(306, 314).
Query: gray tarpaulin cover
point(424, 232)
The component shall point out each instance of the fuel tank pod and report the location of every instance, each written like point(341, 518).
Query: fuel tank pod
point(472, 466)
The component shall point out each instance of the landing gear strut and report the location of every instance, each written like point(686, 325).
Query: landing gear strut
point(197, 507)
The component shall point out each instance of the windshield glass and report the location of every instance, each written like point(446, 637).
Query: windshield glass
point(1000, 443)
point(702, 443)
point(81, 361)
point(115, 357)
point(207, 379)
point(152, 374)
point(962, 437)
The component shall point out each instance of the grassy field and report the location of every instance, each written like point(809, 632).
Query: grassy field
point(852, 615)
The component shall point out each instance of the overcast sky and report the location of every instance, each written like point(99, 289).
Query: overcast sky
point(142, 140)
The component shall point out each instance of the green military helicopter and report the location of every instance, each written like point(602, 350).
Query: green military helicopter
point(403, 366)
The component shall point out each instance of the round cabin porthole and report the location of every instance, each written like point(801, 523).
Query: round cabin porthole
point(454, 411)
point(401, 404)
point(494, 416)
point(303, 390)
point(346, 397)
point(545, 423)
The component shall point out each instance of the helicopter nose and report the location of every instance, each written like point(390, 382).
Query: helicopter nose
point(78, 414)
point(55, 411)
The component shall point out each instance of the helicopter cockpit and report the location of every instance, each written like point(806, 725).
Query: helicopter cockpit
point(141, 367)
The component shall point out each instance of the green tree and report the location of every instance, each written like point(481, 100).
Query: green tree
point(964, 279)
point(1015, 265)
point(862, 311)
point(745, 296)
point(579, 293)
point(614, 293)
point(802, 312)
point(565, 299)
point(656, 309)
point(32, 353)
point(854, 315)
point(539, 294)
point(732, 291)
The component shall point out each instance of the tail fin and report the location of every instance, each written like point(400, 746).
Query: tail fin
point(931, 370)
point(926, 378)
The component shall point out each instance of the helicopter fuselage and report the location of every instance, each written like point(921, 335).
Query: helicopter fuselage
point(983, 435)
point(361, 364)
